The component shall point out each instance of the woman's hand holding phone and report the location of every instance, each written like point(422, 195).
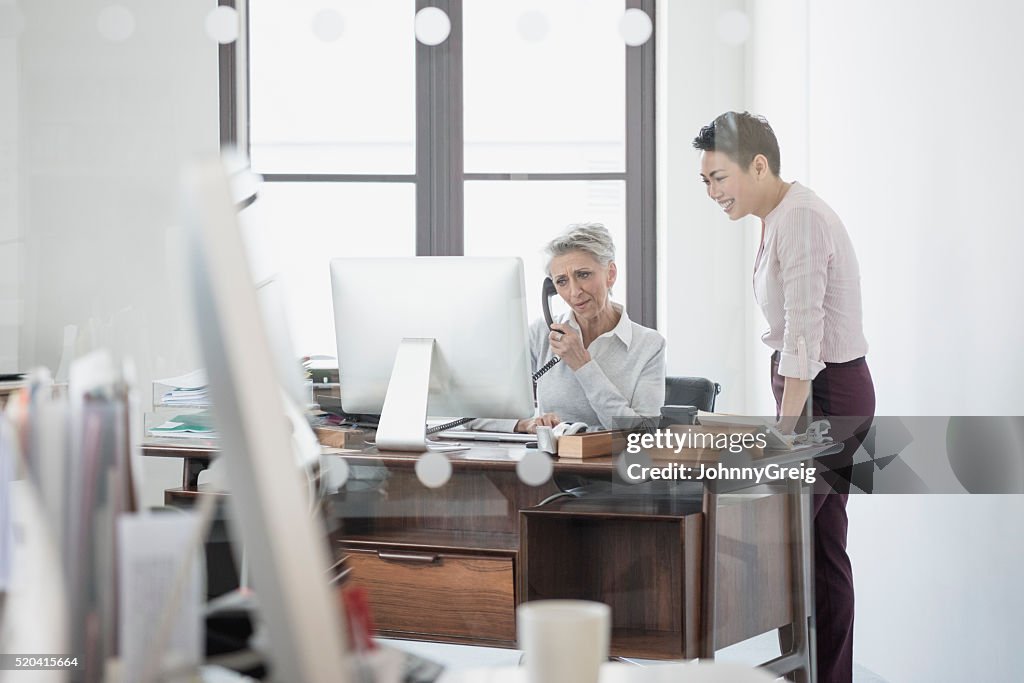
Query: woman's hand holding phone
point(567, 344)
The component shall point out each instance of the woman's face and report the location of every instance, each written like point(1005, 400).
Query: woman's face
point(583, 282)
point(728, 184)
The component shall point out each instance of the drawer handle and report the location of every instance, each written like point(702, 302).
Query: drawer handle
point(413, 557)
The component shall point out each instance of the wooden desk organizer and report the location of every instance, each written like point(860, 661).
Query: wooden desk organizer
point(591, 444)
point(341, 437)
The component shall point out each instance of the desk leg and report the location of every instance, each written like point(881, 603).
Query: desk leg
point(190, 473)
point(798, 662)
point(709, 573)
point(801, 522)
point(806, 497)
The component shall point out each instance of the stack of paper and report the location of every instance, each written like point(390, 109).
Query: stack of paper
point(321, 369)
point(184, 390)
point(196, 425)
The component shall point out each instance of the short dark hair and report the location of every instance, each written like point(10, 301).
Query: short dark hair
point(741, 137)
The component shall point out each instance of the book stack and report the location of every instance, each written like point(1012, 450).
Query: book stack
point(79, 472)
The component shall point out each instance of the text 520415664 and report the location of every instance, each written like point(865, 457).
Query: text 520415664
point(37, 662)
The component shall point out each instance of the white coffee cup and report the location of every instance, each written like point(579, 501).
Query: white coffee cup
point(546, 440)
point(563, 641)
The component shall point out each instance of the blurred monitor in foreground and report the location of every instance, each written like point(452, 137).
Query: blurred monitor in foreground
point(286, 551)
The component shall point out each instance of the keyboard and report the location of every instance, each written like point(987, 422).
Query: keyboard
point(474, 435)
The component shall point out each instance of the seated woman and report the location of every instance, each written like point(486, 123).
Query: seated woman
point(612, 372)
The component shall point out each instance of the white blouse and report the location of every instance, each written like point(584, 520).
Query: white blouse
point(807, 282)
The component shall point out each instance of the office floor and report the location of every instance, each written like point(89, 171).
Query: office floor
point(759, 649)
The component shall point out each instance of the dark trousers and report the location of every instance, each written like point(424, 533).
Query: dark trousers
point(845, 394)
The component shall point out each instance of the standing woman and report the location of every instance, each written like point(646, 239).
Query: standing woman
point(807, 283)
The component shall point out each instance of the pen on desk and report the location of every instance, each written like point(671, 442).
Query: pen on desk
point(340, 572)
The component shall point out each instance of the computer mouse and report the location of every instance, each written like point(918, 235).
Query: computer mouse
point(565, 428)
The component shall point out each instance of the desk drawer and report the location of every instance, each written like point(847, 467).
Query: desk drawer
point(450, 596)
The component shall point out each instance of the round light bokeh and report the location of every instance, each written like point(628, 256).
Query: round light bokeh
point(733, 27)
point(433, 469)
point(624, 460)
point(222, 24)
point(635, 27)
point(116, 23)
point(535, 468)
point(245, 185)
point(432, 26)
point(533, 26)
point(328, 25)
point(338, 473)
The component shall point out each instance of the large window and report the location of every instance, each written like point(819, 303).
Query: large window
point(525, 117)
point(332, 87)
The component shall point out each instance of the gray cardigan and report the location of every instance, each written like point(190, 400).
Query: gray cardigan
point(623, 383)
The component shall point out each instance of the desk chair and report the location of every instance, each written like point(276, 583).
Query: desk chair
point(691, 391)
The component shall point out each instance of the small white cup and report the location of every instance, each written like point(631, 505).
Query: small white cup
point(546, 440)
point(564, 641)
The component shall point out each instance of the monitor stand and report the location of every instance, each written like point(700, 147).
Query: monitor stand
point(403, 420)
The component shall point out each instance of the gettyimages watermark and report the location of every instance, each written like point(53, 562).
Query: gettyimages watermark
point(718, 472)
point(681, 440)
point(734, 442)
point(858, 455)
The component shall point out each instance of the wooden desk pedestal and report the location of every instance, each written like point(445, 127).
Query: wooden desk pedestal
point(439, 595)
point(644, 557)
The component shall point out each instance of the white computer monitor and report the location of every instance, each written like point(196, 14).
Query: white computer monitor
point(431, 335)
point(285, 546)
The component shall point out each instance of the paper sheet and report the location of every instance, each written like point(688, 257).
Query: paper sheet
point(151, 547)
point(190, 380)
point(36, 608)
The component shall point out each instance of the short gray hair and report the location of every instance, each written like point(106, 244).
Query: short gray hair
point(592, 238)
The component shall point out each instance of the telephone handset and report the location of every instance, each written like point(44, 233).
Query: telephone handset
point(545, 305)
point(545, 300)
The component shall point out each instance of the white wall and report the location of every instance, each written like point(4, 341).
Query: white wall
point(908, 110)
point(10, 227)
point(904, 117)
point(104, 129)
point(915, 140)
point(938, 590)
point(704, 260)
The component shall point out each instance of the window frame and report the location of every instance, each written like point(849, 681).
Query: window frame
point(440, 176)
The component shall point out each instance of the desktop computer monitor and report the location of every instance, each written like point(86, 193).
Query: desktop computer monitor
point(285, 545)
point(437, 335)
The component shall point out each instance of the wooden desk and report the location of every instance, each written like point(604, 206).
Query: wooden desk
point(686, 575)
